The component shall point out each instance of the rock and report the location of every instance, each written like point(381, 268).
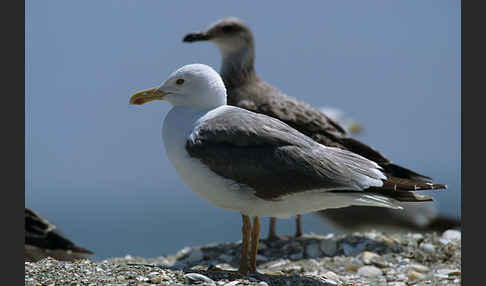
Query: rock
point(313, 250)
point(372, 258)
point(420, 268)
point(369, 271)
point(296, 256)
point(414, 275)
point(226, 258)
point(183, 252)
point(352, 267)
point(195, 255)
point(292, 247)
point(428, 247)
point(417, 236)
point(367, 256)
point(196, 278)
point(450, 235)
point(232, 283)
point(349, 250)
point(449, 272)
point(328, 246)
point(397, 283)
point(331, 278)
point(262, 258)
point(262, 283)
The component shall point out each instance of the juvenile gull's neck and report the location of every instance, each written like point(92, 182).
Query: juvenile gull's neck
point(238, 66)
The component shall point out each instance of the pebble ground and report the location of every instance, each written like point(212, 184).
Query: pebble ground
point(371, 258)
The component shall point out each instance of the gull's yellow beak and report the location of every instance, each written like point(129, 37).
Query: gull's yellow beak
point(147, 95)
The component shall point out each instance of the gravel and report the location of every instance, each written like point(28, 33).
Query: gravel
point(372, 258)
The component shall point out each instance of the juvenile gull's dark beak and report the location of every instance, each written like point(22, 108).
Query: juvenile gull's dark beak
point(196, 37)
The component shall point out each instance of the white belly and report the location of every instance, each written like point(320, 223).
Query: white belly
point(227, 194)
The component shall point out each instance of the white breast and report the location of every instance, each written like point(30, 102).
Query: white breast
point(177, 127)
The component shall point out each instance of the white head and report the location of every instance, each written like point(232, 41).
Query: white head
point(191, 85)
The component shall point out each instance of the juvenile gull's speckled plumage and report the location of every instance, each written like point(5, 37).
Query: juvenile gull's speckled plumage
point(258, 165)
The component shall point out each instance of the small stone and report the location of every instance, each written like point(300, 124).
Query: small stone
point(196, 255)
point(225, 257)
point(369, 271)
point(142, 278)
point(449, 272)
point(331, 275)
point(417, 236)
point(262, 283)
point(296, 256)
point(232, 283)
point(401, 276)
point(331, 278)
point(450, 235)
point(183, 252)
point(420, 268)
point(194, 278)
point(427, 247)
point(279, 263)
point(367, 256)
point(313, 251)
point(396, 283)
point(352, 267)
point(414, 275)
point(328, 246)
point(292, 247)
point(156, 279)
point(262, 258)
point(349, 250)
point(120, 277)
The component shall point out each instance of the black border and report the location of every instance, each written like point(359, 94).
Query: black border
point(472, 143)
point(13, 117)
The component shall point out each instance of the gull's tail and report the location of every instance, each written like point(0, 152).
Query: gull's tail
point(403, 189)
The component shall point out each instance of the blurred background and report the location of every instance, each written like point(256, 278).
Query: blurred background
point(97, 168)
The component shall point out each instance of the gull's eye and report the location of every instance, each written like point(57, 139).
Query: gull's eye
point(228, 29)
point(180, 81)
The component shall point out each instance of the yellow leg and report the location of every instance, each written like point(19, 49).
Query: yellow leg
point(298, 226)
point(246, 233)
point(272, 234)
point(255, 236)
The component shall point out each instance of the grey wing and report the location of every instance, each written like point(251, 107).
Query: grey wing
point(263, 98)
point(274, 159)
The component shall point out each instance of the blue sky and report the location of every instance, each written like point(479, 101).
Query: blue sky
point(98, 168)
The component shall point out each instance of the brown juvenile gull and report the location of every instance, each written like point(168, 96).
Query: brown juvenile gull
point(42, 239)
point(258, 165)
point(246, 90)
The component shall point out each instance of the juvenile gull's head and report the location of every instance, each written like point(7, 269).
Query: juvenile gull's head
point(230, 35)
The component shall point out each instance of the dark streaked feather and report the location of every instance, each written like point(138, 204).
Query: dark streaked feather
point(42, 235)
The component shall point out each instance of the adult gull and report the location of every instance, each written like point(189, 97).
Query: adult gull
point(246, 90)
point(258, 165)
